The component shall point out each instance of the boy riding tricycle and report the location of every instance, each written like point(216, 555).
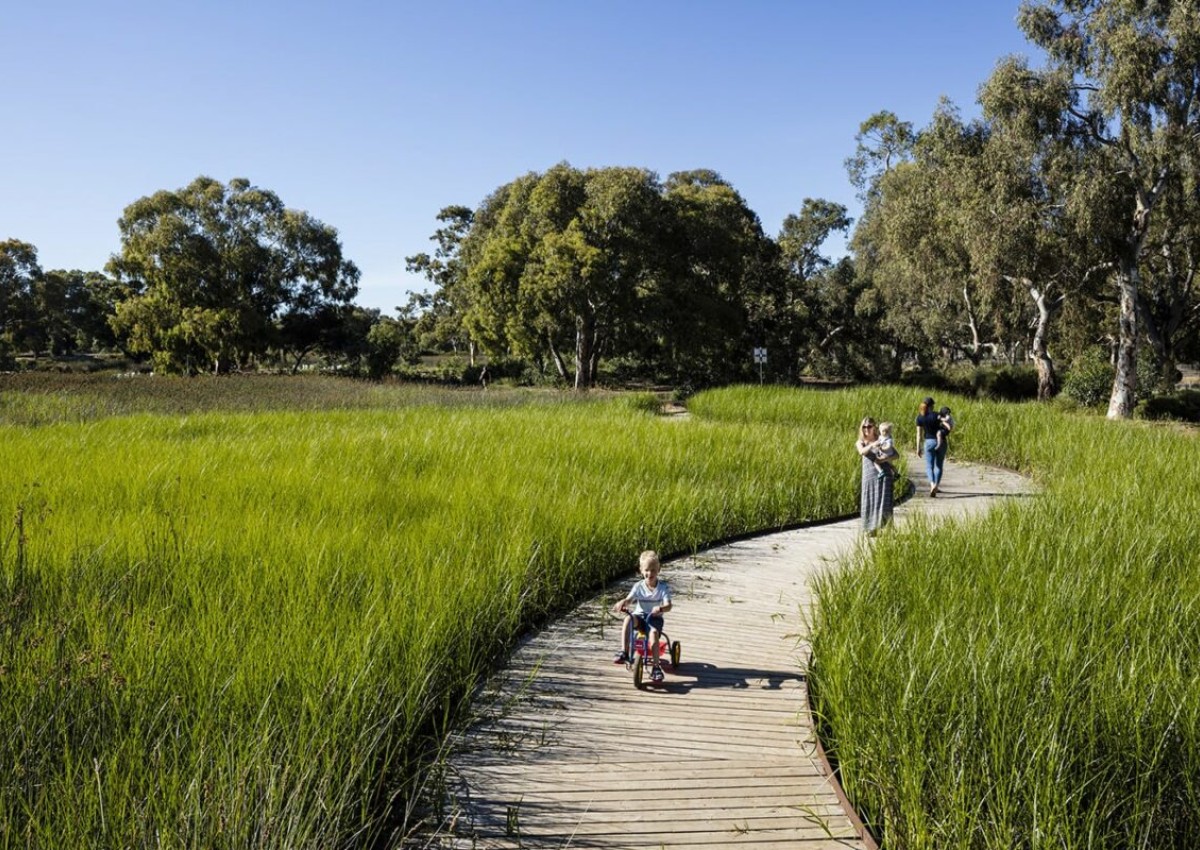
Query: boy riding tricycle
point(642, 635)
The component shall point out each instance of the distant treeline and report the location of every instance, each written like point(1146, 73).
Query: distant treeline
point(1060, 227)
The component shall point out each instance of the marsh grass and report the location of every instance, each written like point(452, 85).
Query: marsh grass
point(40, 398)
point(253, 629)
point(1032, 679)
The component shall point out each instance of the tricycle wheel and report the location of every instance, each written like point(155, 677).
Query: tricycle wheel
point(675, 653)
point(639, 665)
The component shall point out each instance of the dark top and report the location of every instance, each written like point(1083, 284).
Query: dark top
point(932, 424)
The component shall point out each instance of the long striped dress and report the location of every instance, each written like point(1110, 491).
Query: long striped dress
point(876, 495)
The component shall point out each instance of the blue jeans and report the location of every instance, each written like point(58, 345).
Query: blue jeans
point(934, 459)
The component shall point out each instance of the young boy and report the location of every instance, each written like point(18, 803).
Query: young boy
point(652, 599)
point(947, 426)
point(884, 448)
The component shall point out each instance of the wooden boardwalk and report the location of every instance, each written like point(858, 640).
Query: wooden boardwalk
point(567, 753)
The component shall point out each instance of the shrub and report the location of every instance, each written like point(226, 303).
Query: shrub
point(1183, 406)
point(644, 402)
point(385, 342)
point(931, 379)
point(1089, 380)
point(1006, 383)
point(508, 369)
point(682, 393)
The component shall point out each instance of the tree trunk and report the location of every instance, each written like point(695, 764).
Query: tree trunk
point(559, 363)
point(1124, 392)
point(594, 367)
point(300, 359)
point(1047, 378)
point(974, 353)
point(1162, 334)
point(585, 345)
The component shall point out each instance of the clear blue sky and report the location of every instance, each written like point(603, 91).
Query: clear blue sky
point(373, 116)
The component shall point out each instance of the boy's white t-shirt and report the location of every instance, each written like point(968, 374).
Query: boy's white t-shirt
point(645, 598)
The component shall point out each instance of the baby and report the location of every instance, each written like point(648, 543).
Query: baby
point(884, 448)
point(947, 426)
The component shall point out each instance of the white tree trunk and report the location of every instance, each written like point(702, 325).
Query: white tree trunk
point(585, 346)
point(1047, 377)
point(1124, 392)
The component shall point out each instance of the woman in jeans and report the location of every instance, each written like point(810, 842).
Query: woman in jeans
point(928, 444)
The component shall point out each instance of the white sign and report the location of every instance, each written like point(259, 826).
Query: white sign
point(760, 355)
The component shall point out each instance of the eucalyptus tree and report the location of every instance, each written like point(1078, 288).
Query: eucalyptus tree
point(707, 300)
point(71, 311)
point(570, 267)
point(883, 141)
point(1028, 227)
point(328, 329)
point(554, 264)
point(1126, 75)
point(494, 251)
point(438, 314)
point(592, 270)
point(212, 269)
point(1168, 299)
point(815, 307)
point(924, 268)
point(844, 336)
point(882, 144)
point(19, 273)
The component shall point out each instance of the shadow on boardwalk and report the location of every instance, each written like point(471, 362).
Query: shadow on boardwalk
point(704, 675)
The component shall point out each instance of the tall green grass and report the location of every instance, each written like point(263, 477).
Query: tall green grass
point(1032, 679)
point(40, 398)
point(252, 629)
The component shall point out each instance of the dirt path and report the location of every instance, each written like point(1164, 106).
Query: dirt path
point(567, 753)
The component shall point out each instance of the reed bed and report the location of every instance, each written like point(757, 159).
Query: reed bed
point(1031, 679)
point(40, 398)
point(252, 629)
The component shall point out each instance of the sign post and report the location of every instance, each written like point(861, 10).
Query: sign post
point(760, 357)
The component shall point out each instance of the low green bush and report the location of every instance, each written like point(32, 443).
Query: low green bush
point(1182, 406)
point(1089, 379)
point(933, 380)
point(1005, 383)
point(644, 402)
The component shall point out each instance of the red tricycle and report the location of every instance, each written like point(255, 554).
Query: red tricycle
point(640, 654)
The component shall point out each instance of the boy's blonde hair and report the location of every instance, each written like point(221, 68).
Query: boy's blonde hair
point(649, 558)
point(885, 428)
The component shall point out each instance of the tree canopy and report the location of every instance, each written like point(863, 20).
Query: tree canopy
point(216, 274)
point(570, 266)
